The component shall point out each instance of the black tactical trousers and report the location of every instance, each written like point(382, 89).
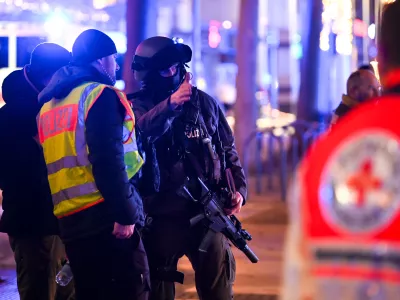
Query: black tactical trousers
point(107, 268)
point(168, 239)
point(38, 261)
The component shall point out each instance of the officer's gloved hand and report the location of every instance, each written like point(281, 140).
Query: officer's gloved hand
point(123, 231)
point(237, 202)
point(183, 94)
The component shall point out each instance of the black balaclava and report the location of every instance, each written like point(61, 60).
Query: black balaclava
point(156, 54)
point(165, 85)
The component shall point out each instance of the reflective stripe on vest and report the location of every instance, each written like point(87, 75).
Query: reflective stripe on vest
point(61, 126)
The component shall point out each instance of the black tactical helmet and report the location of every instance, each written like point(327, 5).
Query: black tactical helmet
point(158, 53)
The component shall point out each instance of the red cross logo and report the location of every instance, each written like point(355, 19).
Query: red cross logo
point(363, 181)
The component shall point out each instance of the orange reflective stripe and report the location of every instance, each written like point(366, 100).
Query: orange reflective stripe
point(129, 135)
point(81, 208)
point(95, 99)
point(58, 120)
point(130, 117)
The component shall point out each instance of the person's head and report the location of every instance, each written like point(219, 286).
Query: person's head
point(367, 67)
point(388, 39)
point(45, 60)
point(160, 62)
point(95, 48)
point(363, 85)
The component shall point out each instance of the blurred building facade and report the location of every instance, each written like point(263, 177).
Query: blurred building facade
point(278, 50)
point(347, 40)
point(26, 23)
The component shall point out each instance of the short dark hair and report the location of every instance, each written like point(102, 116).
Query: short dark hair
point(388, 39)
point(367, 67)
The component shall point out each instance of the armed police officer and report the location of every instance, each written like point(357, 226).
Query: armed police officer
point(186, 136)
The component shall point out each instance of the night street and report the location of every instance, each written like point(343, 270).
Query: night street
point(265, 218)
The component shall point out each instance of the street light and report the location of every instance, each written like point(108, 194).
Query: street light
point(56, 24)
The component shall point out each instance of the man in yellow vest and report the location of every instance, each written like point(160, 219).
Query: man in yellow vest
point(86, 128)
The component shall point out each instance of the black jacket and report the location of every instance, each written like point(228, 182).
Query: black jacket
point(27, 204)
point(157, 122)
point(122, 203)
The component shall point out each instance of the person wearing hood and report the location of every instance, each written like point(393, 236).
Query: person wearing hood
point(362, 85)
point(87, 131)
point(28, 217)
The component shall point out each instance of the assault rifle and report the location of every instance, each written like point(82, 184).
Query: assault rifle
point(218, 221)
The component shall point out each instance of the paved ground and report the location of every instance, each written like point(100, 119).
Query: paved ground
point(265, 218)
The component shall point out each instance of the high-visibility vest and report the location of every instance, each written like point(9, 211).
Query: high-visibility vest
point(61, 125)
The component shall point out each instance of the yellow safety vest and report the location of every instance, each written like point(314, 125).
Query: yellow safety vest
point(61, 125)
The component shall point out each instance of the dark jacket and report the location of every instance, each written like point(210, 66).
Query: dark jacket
point(159, 124)
point(104, 132)
point(27, 204)
point(343, 108)
point(346, 105)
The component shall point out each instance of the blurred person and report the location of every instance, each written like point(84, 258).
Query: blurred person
point(389, 49)
point(87, 130)
point(28, 217)
point(342, 239)
point(367, 67)
point(361, 86)
point(176, 119)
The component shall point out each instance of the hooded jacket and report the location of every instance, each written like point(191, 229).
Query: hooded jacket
point(122, 203)
point(27, 204)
